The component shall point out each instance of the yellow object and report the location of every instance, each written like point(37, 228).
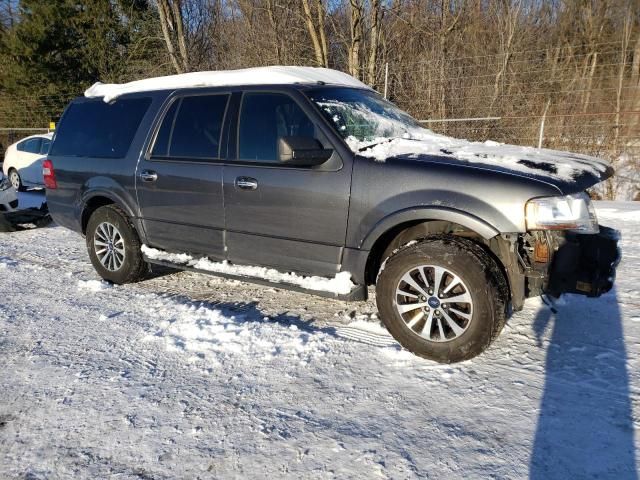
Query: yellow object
point(52, 125)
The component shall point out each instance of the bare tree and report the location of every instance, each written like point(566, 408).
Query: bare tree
point(317, 32)
point(509, 22)
point(375, 35)
point(172, 24)
point(356, 35)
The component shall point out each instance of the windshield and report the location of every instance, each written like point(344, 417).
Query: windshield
point(363, 118)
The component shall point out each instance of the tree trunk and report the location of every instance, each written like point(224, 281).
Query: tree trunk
point(592, 71)
point(274, 26)
point(179, 23)
point(163, 11)
point(317, 34)
point(323, 33)
point(374, 42)
point(356, 37)
point(172, 25)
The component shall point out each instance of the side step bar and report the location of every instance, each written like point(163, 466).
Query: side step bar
point(359, 293)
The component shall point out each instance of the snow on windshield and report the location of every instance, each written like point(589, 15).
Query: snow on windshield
point(375, 128)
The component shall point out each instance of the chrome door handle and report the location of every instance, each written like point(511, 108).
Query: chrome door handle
point(246, 183)
point(148, 176)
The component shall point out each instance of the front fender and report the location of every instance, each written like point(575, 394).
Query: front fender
point(428, 213)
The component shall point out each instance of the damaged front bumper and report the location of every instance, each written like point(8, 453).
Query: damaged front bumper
point(584, 264)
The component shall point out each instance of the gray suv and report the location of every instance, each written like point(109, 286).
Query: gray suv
point(316, 178)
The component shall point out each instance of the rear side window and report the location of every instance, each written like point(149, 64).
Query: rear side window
point(98, 129)
point(192, 128)
point(264, 117)
point(30, 146)
point(44, 148)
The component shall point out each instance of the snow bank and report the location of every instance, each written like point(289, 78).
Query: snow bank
point(341, 284)
point(276, 75)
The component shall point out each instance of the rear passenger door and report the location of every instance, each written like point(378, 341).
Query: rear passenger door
point(179, 181)
point(27, 152)
point(32, 172)
point(291, 218)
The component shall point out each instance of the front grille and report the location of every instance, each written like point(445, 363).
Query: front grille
point(14, 204)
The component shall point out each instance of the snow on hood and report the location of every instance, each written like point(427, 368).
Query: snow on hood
point(276, 75)
point(554, 164)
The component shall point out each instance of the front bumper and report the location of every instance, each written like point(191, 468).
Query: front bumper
point(585, 264)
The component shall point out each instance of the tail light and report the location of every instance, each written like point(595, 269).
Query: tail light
point(49, 175)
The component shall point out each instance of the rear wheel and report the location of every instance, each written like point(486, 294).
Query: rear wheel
point(16, 181)
point(114, 246)
point(443, 298)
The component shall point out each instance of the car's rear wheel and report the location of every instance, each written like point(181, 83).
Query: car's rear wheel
point(114, 246)
point(16, 181)
point(443, 298)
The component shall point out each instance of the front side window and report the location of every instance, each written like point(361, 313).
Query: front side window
point(192, 128)
point(265, 117)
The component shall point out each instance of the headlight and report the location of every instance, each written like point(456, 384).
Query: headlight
point(573, 212)
point(4, 182)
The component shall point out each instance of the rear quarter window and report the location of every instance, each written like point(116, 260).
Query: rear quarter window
point(32, 145)
point(98, 129)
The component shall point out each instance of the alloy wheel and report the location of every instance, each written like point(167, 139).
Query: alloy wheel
point(434, 303)
point(109, 246)
point(14, 178)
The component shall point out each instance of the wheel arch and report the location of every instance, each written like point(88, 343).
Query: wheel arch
point(416, 223)
point(438, 222)
point(99, 198)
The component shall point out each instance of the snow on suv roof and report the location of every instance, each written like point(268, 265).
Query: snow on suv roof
point(276, 75)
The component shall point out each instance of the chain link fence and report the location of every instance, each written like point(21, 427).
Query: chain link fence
point(579, 99)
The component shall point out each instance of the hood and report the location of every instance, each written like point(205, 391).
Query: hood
point(569, 172)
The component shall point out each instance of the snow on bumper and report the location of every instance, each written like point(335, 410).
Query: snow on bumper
point(586, 264)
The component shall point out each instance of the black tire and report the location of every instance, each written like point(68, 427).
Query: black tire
point(14, 178)
point(44, 221)
point(483, 281)
point(5, 225)
point(133, 267)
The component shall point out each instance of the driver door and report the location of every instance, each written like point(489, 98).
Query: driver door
point(290, 218)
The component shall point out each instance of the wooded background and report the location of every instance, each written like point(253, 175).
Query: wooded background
point(476, 69)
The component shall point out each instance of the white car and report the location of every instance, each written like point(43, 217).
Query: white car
point(23, 161)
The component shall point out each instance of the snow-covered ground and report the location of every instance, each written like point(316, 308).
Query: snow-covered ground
point(190, 376)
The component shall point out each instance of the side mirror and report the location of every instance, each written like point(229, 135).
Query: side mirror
point(302, 151)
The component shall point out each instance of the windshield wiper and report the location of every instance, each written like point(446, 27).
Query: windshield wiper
point(386, 140)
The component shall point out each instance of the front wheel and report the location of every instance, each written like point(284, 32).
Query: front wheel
point(16, 181)
point(114, 246)
point(443, 298)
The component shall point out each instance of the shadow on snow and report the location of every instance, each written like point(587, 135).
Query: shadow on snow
point(585, 426)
